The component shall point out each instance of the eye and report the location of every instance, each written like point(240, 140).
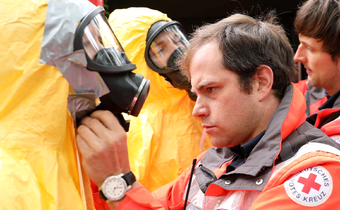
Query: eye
point(160, 51)
point(156, 52)
point(309, 48)
point(177, 40)
point(211, 89)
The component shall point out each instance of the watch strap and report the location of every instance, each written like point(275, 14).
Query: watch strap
point(102, 196)
point(129, 178)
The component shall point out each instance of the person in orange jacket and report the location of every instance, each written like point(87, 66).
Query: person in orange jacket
point(318, 24)
point(265, 154)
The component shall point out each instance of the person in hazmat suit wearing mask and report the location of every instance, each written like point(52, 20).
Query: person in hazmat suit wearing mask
point(165, 137)
point(59, 62)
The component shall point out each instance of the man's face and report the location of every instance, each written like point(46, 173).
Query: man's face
point(91, 40)
point(229, 115)
point(321, 69)
point(163, 46)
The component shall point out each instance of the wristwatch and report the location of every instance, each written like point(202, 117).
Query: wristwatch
point(115, 187)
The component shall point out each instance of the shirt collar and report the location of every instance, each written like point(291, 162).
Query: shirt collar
point(330, 102)
point(242, 152)
point(245, 149)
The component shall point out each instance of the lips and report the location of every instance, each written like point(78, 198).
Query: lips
point(308, 70)
point(208, 128)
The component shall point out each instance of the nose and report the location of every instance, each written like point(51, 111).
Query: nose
point(300, 55)
point(172, 46)
point(200, 110)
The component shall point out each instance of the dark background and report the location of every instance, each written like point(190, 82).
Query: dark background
point(194, 13)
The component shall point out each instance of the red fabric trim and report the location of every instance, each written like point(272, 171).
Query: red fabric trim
point(323, 114)
point(97, 2)
point(220, 171)
point(331, 128)
point(139, 198)
point(295, 116)
point(302, 85)
point(314, 108)
point(99, 203)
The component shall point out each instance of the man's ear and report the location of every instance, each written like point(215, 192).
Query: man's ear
point(264, 78)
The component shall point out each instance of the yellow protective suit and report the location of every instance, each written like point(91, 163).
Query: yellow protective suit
point(39, 169)
point(165, 137)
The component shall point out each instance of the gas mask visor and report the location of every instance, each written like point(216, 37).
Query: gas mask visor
point(105, 55)
point(166, 43)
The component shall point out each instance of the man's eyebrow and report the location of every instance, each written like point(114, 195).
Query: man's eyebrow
point(202, 84)
point(159, 42)
point(311, 46)
point(305, 43)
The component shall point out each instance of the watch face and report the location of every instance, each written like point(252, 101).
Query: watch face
point(115, 189)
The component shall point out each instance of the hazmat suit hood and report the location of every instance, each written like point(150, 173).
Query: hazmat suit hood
point(58, 41)
point(165, 137)
point(84, 48)
point(39, 162)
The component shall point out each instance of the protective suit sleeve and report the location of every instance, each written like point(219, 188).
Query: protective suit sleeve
point(38, 155)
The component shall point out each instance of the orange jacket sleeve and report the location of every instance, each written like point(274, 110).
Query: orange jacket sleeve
point(311, 183)
point(169, 196)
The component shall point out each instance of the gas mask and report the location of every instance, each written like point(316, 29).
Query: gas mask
point(105, 55)
point(166, 43)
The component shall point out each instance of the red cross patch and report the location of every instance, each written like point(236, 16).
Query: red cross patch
point(310, 187)
point(309, 183)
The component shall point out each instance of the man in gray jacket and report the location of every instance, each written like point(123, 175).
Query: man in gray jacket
point(241, 70)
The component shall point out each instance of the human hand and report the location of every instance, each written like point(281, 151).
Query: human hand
point(102, 143)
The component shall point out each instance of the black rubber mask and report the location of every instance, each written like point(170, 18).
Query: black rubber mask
point(105, 55)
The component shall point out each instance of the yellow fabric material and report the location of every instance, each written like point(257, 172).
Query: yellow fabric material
point(38, 161)
point(165, 137)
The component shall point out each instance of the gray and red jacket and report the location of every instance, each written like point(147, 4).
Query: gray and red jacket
point(293, 166)
point(323, 113)
point(314, 96)
point(328, 118)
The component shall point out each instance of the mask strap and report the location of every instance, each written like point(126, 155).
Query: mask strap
point(204, 134)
